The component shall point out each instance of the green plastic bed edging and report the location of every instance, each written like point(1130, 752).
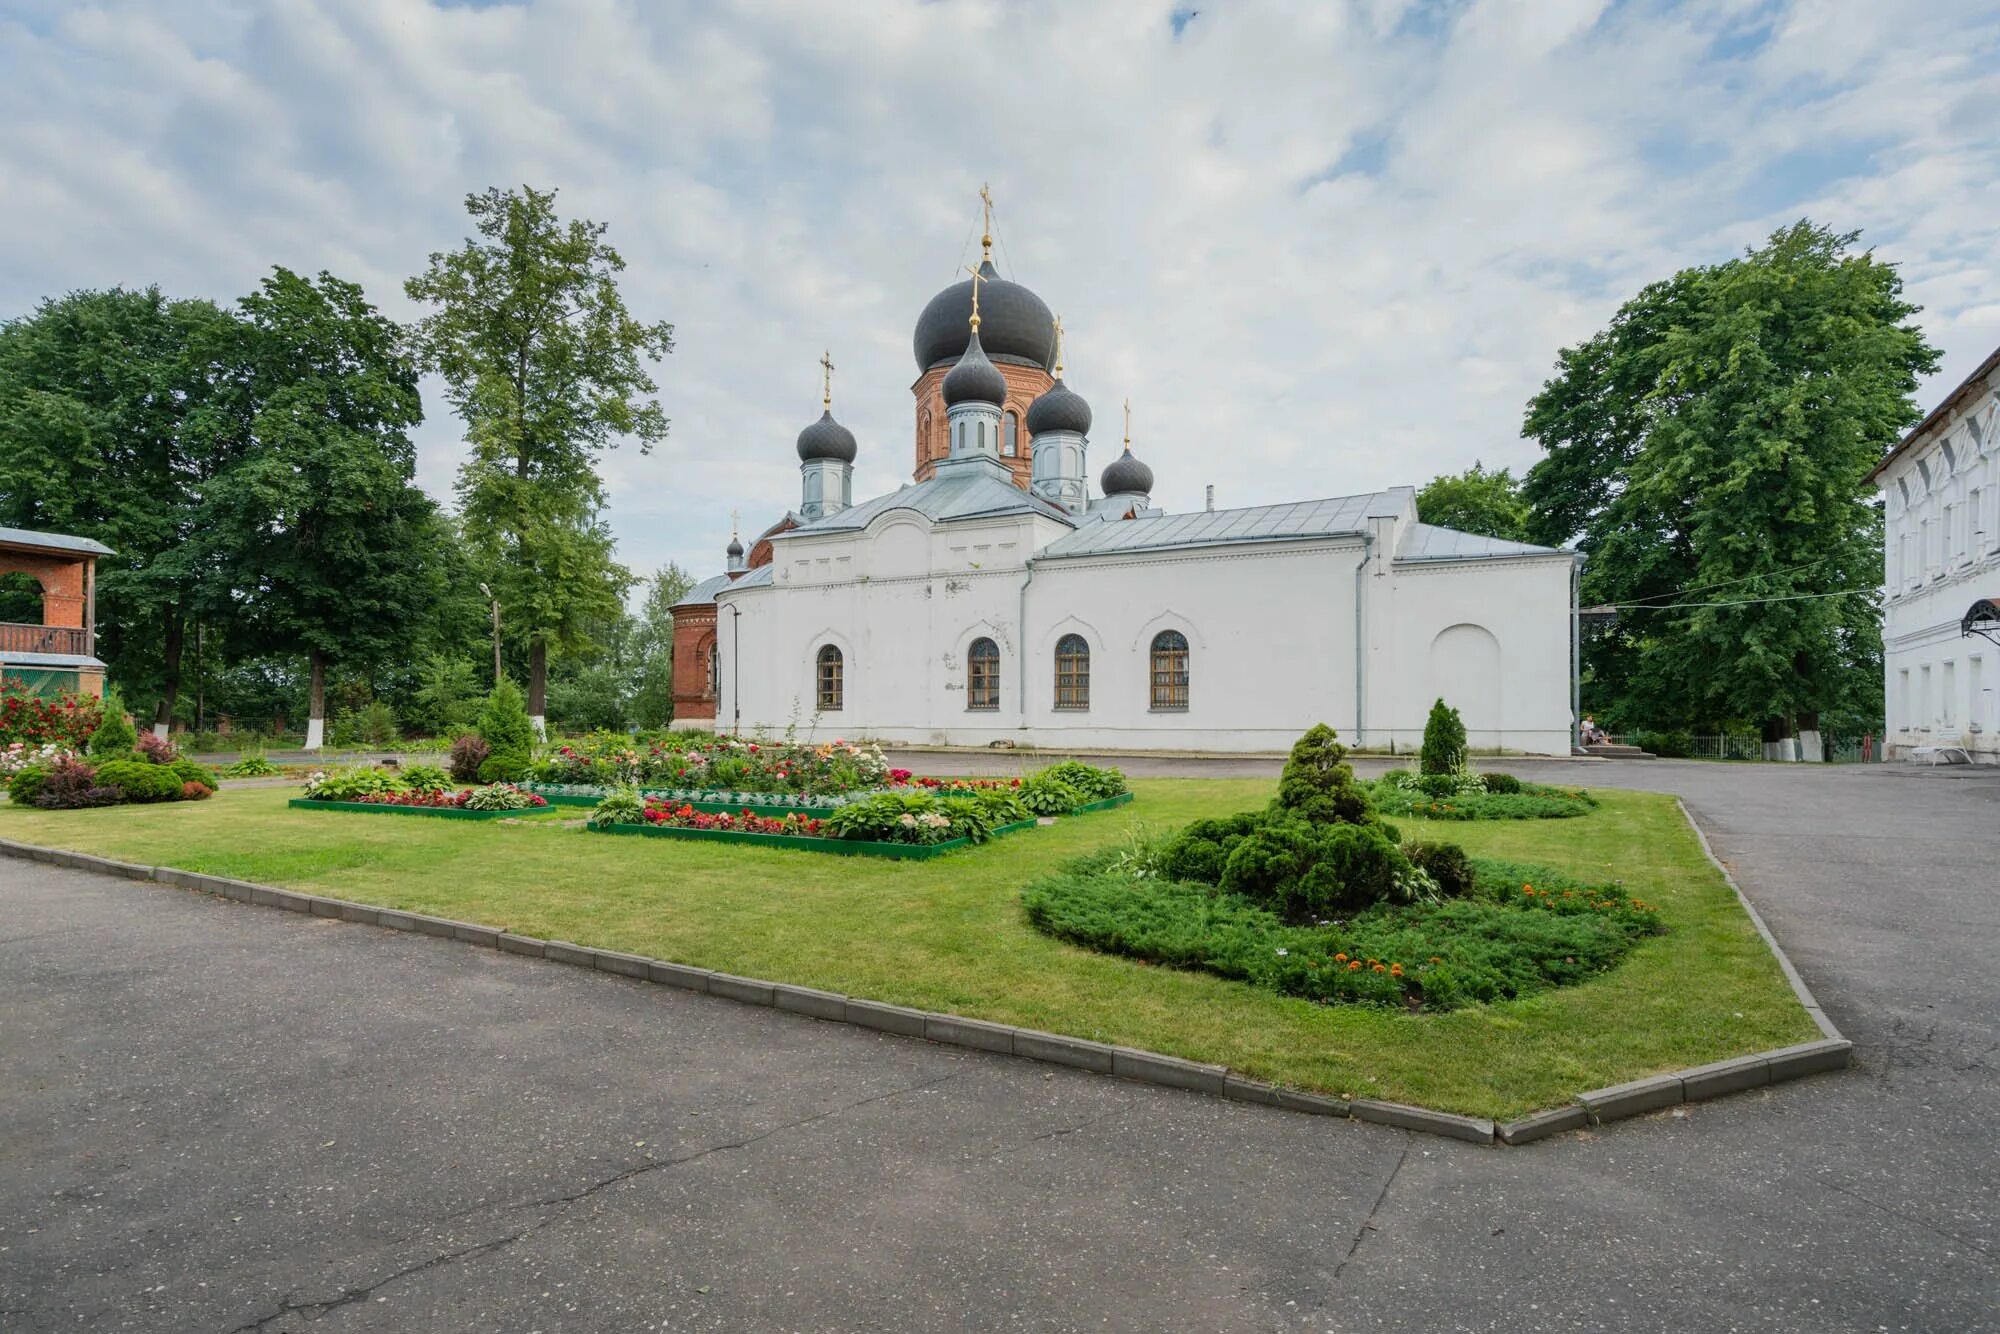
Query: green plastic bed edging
point(381, 808)
point(840, 847)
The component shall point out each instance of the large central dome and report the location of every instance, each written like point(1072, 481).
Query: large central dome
point(1013, 322)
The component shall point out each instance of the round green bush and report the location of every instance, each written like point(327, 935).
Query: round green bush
point(1505, 785)
point(1201, 850)
point(189, 772)
point(114, 736)
point(26, 785)
point(504, 724)
point(139, 781)
point(501, 767)
point(1445, 863)
point(1304, 871)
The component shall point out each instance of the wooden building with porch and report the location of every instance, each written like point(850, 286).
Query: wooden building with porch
point(53, 649)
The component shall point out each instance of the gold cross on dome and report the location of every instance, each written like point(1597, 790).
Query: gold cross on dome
point(977, 278)
point(985, 222)
point(736, 523)
point(826, 381)
point(1128, 426)
point(1059, 345)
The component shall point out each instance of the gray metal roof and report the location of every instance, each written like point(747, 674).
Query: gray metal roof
point(704, 591)
point(1426, 541)
point(958, 491)
point(1337, 517)
point(54, 541)
point(758, 578)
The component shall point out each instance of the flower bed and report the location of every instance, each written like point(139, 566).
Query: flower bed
point(1470, 796)
point(56, 777)
point(912, 824)
point(680, 762)
point(448, 811)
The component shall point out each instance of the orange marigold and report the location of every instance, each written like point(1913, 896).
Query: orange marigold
point(1353, 964)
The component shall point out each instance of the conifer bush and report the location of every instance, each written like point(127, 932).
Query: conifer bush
point(1444, 741)
point(509, 735)
point(115, 736)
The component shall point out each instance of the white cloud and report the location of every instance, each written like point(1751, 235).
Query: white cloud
point(1322, 248)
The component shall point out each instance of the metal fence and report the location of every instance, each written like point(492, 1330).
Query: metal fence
point(1840, 748)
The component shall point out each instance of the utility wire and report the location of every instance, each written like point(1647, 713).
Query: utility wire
point(1741, 602)
point(1703, 588)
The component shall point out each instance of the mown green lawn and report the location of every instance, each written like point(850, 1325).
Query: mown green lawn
point(950, 934)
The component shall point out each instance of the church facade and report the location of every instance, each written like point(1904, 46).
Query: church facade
point(1000, 599)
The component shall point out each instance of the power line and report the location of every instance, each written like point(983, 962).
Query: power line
point(1740, 602)
point(1703, 588)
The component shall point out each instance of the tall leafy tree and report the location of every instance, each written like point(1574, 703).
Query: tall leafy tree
point(1707, 451)
point(653, 688)
point(1476, 501)
point(109, 427)
point(325, 535)
point(546, 366)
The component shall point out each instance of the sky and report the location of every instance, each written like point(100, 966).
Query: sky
point(1323, 248)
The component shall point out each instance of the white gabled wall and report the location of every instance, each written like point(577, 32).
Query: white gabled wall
point(1271, 631)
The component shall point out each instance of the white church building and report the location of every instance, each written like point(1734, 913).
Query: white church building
point(1941, 580)
point(999, 599)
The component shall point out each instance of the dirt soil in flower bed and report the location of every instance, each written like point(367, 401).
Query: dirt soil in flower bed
point(951, 935)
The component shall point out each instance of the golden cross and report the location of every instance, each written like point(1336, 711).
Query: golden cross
point(1128, 426)
point(1059, 346)
point(826, 383)
point(735, 523)
point(986, 222)
point(977, 278)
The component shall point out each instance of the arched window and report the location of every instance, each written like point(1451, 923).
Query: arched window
point(1170, 670)
point(1012, 435)
point(982, 675)
point(714, 671)
point(1072, 673)
point(832, 686)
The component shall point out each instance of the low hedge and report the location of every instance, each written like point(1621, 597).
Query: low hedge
point(1528, 801)
point(1518, 931)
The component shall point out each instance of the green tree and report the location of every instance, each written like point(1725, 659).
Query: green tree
point(321, 525)
point(1476, 501)
point(508, 734)
point(653, 684)
point(547, 369)
point(1708, 452)
point(1444, 741)
point(115, 736)
point(109, 427)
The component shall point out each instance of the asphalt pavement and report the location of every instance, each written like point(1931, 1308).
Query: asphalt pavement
point(220, 1117)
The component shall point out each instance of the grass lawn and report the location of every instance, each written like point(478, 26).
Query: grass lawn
point(950, 934)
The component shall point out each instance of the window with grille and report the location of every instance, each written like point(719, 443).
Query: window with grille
point(714, 671)
point(982, 675)
point(831, 683)
point(1013, 435)
point(1072, 673)
point(1170, 670)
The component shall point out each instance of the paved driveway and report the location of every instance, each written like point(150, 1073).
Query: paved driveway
point(217, 1117)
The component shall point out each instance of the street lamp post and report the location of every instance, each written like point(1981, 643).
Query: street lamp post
point(496, 632)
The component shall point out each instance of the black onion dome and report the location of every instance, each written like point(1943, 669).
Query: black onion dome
point(1127, 475)
point(1060, 409)
point(1013, 322)
point(735, 547)
point(974, 379)
point(826, 439)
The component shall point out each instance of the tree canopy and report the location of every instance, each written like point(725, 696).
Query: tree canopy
point(1707, 452)
point(1476, 501)
point(547, 369)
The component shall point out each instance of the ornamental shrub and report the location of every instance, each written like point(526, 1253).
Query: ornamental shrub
point(155, 749)
point(71, 783)
point(1094, 783)
point(504, 768)
point(426, 778)
point(140, 781)
point(1304, 872)
point(1505, 785)
point(1047, 795)
point(505, 728)
point(1200, 850)
point(1445, 863)
point(115, 735)
point(347, 784)
point(467, 754)
point(196, 792)
point(1444, 741)
point(35, 720)
point(1318, 785)
point(621, 805)
point(189, 772)
point(26, 785)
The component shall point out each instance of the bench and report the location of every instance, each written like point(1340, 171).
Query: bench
point(1945, 742)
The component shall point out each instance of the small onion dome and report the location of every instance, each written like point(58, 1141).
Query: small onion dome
point(735, 549)
point(1016, 322)
point(974, 379)
point(826, 439)
point(1127, 476)
point(1060, 409)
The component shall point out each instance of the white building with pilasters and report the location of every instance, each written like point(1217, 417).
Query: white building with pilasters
point(1941, 523)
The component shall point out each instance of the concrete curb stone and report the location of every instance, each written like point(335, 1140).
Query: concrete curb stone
point(529, 945)
point(395, 921)
point(476, 935)
point(1631, 1099)
point(1256, 1091)
point(562, 951)
point(1059, 1050)
point(1543, 1124)
point(441, 927)
point(1314, 1104)
point(810, 1002)
point(1809, 1058)
point(356, 912)
point(1153, 1068)
point(1720, 1077)
point(975, 1033)
point(885, 1018)
point(613, 961)
point(678, 975)
point(749, 990)
point(1471, 1129)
